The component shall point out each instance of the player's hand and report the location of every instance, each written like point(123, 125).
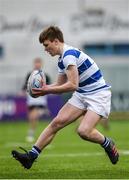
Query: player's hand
point(39, 91)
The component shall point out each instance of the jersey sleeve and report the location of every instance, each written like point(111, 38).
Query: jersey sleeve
point(63, 65)
point(69, 60)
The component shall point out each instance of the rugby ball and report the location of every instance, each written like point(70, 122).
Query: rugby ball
point(36, 80)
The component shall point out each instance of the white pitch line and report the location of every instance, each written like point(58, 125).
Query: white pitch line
point(73, 154)
point(124, 152)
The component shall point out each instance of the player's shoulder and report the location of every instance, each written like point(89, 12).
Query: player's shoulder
point(28, 74)
point(70, 51)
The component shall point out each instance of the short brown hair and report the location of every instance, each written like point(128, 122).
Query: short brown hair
point(51, 33)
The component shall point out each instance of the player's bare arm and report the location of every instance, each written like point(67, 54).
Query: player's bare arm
point(70, 85)
point(62, 78)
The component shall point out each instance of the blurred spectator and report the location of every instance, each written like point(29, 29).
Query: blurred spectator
point(36, 106)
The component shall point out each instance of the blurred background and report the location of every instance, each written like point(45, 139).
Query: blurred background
point(99, 27)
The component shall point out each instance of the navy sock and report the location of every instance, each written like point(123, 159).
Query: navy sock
point(105, 143)
point(34, 152)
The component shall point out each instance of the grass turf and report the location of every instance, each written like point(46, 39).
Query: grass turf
point(68, 156)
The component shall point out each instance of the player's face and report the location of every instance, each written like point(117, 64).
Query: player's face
point(37, 64)
point(52, 47)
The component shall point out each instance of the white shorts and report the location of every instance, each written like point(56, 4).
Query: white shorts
point(42, 100)
point(98, 102)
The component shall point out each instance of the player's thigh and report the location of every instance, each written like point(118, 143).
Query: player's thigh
point(89, 121)
point(33, 113)
point(68, 114)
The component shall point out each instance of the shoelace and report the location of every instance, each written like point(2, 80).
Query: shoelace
point(24, 150)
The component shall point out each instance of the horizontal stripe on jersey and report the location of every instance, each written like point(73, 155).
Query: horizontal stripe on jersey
point(92, 79)
point(72, 52)
point(102, 87)
point(84, 66)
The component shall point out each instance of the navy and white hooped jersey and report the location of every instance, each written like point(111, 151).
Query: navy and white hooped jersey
point(90, 77)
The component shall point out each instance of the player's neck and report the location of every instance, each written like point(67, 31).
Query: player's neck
point(61, 48)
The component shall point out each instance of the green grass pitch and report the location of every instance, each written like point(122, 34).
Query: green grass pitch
point(68, 156)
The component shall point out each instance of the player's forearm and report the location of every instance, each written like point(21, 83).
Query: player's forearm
point(52, 85)
point(67, 87)
point(55, 84)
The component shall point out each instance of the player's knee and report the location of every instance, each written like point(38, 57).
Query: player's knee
point(58, 123)
point(83, 132)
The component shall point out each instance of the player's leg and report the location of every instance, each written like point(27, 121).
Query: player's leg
point(88, 132)
point(66, 115)
point(33, 115)
point(87, 129)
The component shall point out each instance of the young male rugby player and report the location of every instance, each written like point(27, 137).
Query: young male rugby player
point(77, 72)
